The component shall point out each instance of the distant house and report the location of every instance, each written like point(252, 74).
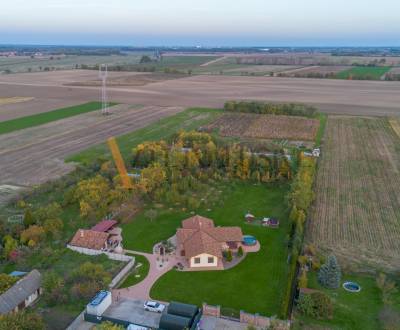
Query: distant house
point(270, 222)
point(104, 236)
point(316, 152)
point(22, 294)
point(202, 244)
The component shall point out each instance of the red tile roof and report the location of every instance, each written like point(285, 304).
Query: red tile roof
point(104, 225)
point(199, 235)
point(89, 239)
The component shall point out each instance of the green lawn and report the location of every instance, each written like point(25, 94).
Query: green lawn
point(364, 72)
point(352, 311)
point(258, 283)
point(47, 117)
point(142, 271)
point(188, 120)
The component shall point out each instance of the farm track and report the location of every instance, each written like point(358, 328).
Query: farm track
point(42, 159)
point(357, 207)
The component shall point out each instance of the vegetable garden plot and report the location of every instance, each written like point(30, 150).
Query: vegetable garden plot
point(266, 126)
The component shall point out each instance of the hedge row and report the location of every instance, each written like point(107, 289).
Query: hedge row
point(300, 198)
point(290, 109)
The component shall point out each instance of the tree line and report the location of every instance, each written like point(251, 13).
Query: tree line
point(289, 109)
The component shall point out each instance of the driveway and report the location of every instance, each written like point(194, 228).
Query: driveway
point(142, 289)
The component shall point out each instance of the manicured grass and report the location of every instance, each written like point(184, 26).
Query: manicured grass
point(258, 283)
point(188, 120)
point(142, 271)
point(352, 311)
point(47, 117)
point(363, 73)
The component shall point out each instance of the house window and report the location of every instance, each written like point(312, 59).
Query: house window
point(196, 260)
point(210, 260)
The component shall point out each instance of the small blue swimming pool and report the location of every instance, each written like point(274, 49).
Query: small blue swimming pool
point(351, 287)
point(249, 240)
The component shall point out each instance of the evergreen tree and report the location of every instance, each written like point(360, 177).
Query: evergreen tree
point(330, 274)
point(28, 218)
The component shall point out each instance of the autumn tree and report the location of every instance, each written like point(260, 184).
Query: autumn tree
point(6, 282)
point(108, 326)
point(152, 177)
point(32, 235)
point(21, 321)
point(10, 244)
point(92, 195)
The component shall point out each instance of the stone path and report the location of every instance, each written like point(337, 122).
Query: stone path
point(142, 289)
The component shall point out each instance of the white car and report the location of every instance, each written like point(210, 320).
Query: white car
point(154, 306)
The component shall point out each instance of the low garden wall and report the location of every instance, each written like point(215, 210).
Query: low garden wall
point(91, 252)
point(122, 273)
point(246, 318)
point(255, 319)
point(210, 310)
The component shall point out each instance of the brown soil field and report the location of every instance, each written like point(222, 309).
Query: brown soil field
point(331, 96)
point(35, 155)
point(357, 207)
point(395, 70)
point(265, 126)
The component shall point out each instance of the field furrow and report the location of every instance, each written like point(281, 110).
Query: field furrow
point(357, 207)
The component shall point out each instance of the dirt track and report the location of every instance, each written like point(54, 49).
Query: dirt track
point(332, 96)
point(35, 155)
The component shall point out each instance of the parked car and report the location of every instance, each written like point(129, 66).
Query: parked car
point(154, 306)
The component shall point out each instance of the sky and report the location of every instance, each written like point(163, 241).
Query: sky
point(203, 23)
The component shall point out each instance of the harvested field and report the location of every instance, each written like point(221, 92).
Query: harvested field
point(329, 95)
point(395, 70)
point(266, 126)
point(15, 99)
point(357, 207)
point(35, 155)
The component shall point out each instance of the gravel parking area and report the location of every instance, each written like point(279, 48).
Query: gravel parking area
point(133, 311)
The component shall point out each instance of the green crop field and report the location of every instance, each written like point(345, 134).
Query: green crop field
point(47, 117)
point(363, 73)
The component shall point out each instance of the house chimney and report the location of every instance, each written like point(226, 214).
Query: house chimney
point(82, 233)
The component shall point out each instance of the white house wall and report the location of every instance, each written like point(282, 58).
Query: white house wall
point(203, 261)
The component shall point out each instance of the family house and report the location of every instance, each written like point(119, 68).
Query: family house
point(22, 294)
point(104, 236)
point(202, 244)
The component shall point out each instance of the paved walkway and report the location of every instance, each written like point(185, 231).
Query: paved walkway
point(142, 289)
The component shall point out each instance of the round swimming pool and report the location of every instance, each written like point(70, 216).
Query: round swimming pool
point(249, 240)
point(351, 287)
